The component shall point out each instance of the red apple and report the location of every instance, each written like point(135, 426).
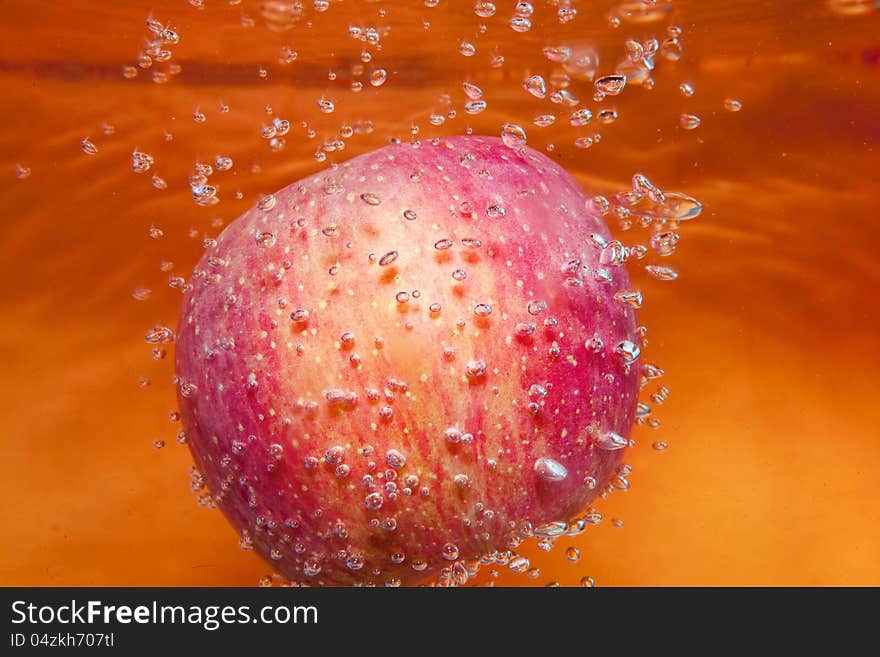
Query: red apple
point(409, 361)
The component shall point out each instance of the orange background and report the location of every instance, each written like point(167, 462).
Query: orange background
point(769, 337)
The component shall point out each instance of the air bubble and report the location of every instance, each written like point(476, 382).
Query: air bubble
point(287, 55)
point(566, 14)
point(661, 272)
point(188, 389)
point(472, 91)
point(580, 117)
point(141, 294)
point(635, 52)
point(558, 54)
point(595, 344)
point(679, 207)
point(452, 436)
point(612, 441)
point(374, 501)
point(550, 470)
point(388, 258)
point(450, 551)
point(628, 351)
point(536, 307)
point(519, 564)
point(300, 315)
point(475, 369)
point(264, 239)
point(606, 116)
point(513, 135)
point(523, 8)
point(160, 335)
point(611, 85)
point(525, 329)
point(482, 310)
point(140, 161)
point(88, 146)
point(266, 203)
point(689, 121)
point(395, 459)
point(632, 298)
point(613, 254)
point(484, 9)
point(537, 86)
point(671, 50)
point(732, 105)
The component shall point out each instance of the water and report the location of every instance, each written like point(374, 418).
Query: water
point(766, 336)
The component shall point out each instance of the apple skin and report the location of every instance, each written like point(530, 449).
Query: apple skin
point(443, 460)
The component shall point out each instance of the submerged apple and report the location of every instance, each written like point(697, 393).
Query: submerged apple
point(408, 362)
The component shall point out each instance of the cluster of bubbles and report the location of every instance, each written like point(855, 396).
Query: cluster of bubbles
point(575, 63)
point(645, 206)
point(204, 193)
point(155, 56)
point(574, 77)
point(582, 63)
point(459, 571)
point(275, 129)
